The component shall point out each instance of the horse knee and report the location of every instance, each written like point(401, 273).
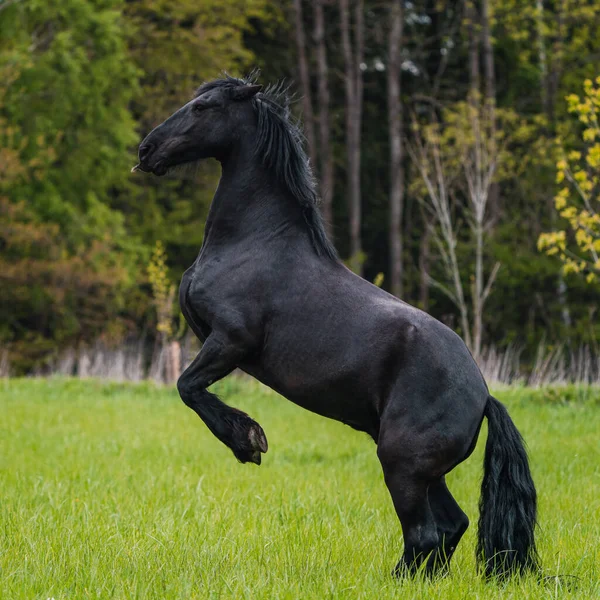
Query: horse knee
point(185, 390)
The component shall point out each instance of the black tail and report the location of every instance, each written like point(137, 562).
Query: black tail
point(508, 503)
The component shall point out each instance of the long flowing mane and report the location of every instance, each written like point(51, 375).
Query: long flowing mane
point(280, 147)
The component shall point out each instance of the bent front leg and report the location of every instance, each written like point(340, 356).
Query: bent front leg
point(218, 357)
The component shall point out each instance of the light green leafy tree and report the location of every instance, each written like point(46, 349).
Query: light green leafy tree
point(577, 245)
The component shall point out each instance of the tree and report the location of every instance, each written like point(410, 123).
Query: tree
point(353, 52)
point(578, 200)
point(166, 363)
point(457, 162)
point(73, 89)
point(326, 164)
point(394, 71)
point(301, 48)
point(68, 265)
point(489, 90)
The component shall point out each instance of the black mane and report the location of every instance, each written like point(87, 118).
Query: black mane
point(280, 147)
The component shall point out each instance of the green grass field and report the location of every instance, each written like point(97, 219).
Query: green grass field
point(120, 491)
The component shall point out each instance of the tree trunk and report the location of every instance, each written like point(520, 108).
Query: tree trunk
point(478, 293)
point(488, 61)
point(305, 81)
point(550, 83)
point(542, 55)
point(326, 157)
point(555, 72)
point(424, 259)
point(359, 11)
point(173, 362)
point(474, 24)
point(396, 151)
point(354, 91)
point(490, 97)
point(473, 34)
point(555, 76)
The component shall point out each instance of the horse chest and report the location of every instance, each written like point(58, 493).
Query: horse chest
point(212, 290)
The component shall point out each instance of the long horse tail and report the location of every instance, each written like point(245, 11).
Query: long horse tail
point(508, 503)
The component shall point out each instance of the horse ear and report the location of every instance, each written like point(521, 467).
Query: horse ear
point(246, 92)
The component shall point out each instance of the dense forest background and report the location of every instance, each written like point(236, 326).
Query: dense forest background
point(434, 128)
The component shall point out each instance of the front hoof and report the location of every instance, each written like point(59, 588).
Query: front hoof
point(249, 442)
point(255, 457)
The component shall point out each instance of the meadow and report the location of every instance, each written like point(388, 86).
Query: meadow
point(119, 491)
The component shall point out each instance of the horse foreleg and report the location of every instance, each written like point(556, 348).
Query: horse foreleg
point(218, 357)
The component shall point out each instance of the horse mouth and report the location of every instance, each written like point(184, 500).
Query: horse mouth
point(159, 168)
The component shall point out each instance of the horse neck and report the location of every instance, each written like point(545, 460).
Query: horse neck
point(249, 202)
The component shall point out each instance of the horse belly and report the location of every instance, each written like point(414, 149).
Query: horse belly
point(337, 395)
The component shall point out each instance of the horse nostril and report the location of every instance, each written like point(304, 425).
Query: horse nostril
point(145, 151)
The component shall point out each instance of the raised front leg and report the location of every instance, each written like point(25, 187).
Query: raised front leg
point(218, 357)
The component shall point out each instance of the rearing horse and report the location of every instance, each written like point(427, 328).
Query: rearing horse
point(267, 294)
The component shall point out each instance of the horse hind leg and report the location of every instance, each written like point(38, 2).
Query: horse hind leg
point(451, 524)
point(414, 459)
point(408, 489)
point(451, 520)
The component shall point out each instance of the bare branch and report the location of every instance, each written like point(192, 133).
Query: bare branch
point(490, 283)
point(440, 286)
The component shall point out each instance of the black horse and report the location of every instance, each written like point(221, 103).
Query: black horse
point(267, 294)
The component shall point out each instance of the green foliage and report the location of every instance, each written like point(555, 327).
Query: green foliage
point(80, 81)
point(379, 279)
point(72, 92)
point(181, 43)
point(64, 274)
point(163, 292)
point(50, 297)
point(578, 173)
point(555, 37)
